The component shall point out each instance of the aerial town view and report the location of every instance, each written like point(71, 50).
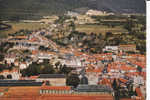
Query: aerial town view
point(72, 50)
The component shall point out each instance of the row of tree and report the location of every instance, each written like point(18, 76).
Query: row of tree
point(46, 68)
point(122, 92)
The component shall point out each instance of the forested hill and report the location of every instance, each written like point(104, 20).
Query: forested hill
point(32, 8)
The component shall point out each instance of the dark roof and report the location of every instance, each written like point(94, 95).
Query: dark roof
point(14, 81)
point(93, 88)
point(20, 83)
point(51, 76)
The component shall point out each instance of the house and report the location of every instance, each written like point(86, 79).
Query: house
point(15, 75)
point(20, 38)
point(45, 55)
point(73, 62)
point(23, 65)
point(126, 68)
point(53, 79)
point(33, 77)
point(72, 14)
point(127, 48)
point(111, 49)
point(16, 63)
point(138, 80)
point(105, 81)
point(10, 58)
point(93, 76)
point(83, 19)
point(26, 45)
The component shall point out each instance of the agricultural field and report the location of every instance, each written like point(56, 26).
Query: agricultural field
point(100, 29)
point(16, 26)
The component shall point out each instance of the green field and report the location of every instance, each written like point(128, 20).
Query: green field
point(99, 29)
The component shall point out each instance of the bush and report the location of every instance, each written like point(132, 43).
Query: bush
point(73, 80)
point(9, 76)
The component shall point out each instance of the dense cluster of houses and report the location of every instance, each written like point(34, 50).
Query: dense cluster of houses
point(97, 69)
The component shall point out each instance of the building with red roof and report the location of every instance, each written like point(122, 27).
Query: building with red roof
point(52, 93)
point(127, 48)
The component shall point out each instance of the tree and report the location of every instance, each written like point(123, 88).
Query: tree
point(47, 83)
point(100, 36)
point(129, 25)
point(66, 70)
point(130, 89)
point(73, 80)
point(57, 64)
point(42, 48)
point(117, 94)
point(1, 57)
point(26, 52)
point(48, 69)
point(9, 76)
point(75, 18)
point(45, 62)
point(2, 77)
point(108, 34)
point(140, 35)
point(72, 25)
point(33, 69)
point(36, 69)
point(2, 67)
point(139, 69)
point(114, 84)
point(116, 89)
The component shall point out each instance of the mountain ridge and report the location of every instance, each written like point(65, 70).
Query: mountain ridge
point(11, 8)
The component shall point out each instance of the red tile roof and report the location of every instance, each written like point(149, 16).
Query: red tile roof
point(21, 37)
point(123, 80)
point(33, 77)
point(94, 70)
point(56, 87)
point(34, 39)
point(34, 52)
point(131, 45)
point(126, 99)
point(138, 91)
point(127, 68)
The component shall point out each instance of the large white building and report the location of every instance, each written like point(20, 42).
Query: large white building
point(111, 48)
point(53, 79)
point(95, 13)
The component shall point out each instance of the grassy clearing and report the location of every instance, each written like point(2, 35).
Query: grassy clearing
point(20, 25)
point(99, 29)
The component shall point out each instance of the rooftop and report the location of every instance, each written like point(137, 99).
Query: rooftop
point(93, 88)
point(56, 87)
point(19, 83)
point(51, 76)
